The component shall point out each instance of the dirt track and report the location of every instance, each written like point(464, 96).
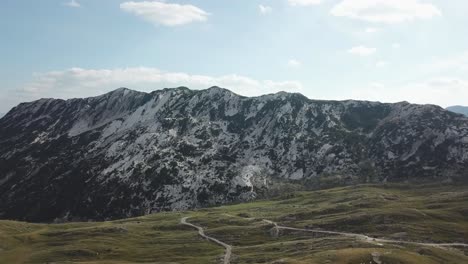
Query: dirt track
point(372, 240)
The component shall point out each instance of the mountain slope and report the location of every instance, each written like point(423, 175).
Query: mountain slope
point(459, 109)
point(129, 153)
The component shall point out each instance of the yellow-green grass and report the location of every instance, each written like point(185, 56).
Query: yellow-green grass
point(421, 213)
point(155, 239)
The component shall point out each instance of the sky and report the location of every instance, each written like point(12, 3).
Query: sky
point(378, 50)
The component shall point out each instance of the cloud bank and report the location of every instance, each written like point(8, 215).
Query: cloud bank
point(78, 82)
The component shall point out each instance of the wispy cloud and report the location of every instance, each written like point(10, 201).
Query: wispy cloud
point(450, 64)
point(385, 11)
point(362, 51)
point(381, 64)
point(72, 3)
point(263, 9)
point(161, 13)
point(371, 30)
point(304, 2)
point(293, 63)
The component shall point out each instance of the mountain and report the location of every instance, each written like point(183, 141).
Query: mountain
point(130, 153)
point(459, 109)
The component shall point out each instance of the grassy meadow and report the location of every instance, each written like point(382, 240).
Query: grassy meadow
point(432, 214)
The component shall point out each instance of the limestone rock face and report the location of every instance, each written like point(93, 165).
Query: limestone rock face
point(129, 153)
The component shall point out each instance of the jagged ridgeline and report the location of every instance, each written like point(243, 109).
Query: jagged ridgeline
point(129, 153)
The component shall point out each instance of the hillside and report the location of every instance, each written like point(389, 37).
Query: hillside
point(459, 109)
point(128, 153)
point(415, 216)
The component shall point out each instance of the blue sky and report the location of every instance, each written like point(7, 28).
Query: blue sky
point(380, 50)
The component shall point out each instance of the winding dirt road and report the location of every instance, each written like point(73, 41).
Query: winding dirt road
point(377, 241)
point(201, 232)
point(372, 240)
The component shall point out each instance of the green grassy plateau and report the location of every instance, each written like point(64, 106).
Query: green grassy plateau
point(432, 214)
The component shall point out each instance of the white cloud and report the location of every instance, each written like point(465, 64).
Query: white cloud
point(362, 51)
point(73, 3)
point(381, 64)
point(294, 63)
point(160, 13)
point(372, 30)
point(385, 11)
point(78, 82)
point(264, 9)
point(304, 2)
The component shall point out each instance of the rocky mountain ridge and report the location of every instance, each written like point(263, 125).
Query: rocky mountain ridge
point(129, 153)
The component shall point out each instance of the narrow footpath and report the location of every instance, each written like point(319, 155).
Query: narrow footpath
point(201, 232)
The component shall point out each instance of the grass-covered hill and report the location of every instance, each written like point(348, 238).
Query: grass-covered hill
point(429, 214)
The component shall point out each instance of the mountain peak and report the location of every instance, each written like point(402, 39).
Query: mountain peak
point(218, 89)
point(123, 91)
